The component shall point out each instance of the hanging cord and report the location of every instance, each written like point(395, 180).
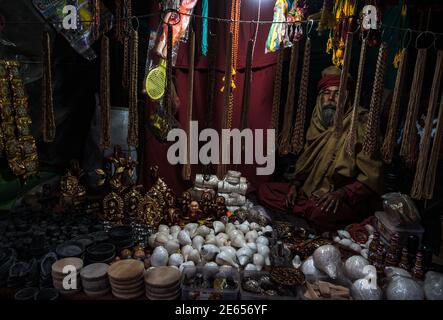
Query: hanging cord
point(127, 12)
point(247, 87)
point(372, 125)
point(96, 17)
point(49, 126)
point(105, 101)
point(187, 166)
point(277, 92)
point(417, 186)
point(414, 101)
point(298, 136)
point(387, 150)
point(256, 28)
point(285, 138)
point(133, 88)
point(352, 135)
point(428, 189)
point(342, 93)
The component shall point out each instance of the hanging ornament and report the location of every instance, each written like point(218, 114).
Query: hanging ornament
point(247, 87)
point(372, 125)
point(294, 18)
point(343, 89)
point(186, 174)
point(344, 10)
point(352, 135)
point(387, 150)
point(125, 31)
point(48, 117)
point(285, 137)
point(409, 129)
point(327, 19)
point(133, 91)
point(277, 92)
point(205, 12)
point(277, 33)
point(105, 102)
point(299, 127)
point(423, 159)
point(96, 18)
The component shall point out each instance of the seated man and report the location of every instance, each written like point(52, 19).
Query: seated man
point(331, 189)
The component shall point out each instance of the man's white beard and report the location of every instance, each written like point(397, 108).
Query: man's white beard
point(327, 115)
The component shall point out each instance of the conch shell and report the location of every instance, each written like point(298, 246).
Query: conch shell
point(172, 246)
point(203, 231)
point(159, 257)
point(198, 242)
point(176, 259)
point(354, 267)
point(209, 252)
point(184, 238)
point(224, 258)
point(327, 258)
point(218, 226)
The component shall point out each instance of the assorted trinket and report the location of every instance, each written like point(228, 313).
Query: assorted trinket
point(264, 285)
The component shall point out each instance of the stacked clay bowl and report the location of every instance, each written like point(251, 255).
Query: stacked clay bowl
point(163, 283)
point(58, 275)
point(126, 279)
point(95, 280)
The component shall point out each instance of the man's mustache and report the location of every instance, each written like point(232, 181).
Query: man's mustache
point(330, 106)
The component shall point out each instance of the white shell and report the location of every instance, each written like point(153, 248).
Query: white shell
point(159, 257)
point(370, 229)
point(211, 264)
point(191, 227)
point(175, 229)
point(184, 238)
point(336, 239)
point(236, 223)
point(218, 226)
point(229, 250)
point(252, 246)
point(186, 250)
point(243, 260)
point(268, 228)
point(251, 236)
point(258, 260)
point(246, 223)
point(343, 234)
point(238, 241)
point(251, 267)
point(296, 262)
point(170, 237)
point(354, 267)
point(262, 240)
point(327, 258)
point(209, 252)
point(188, 264)
point(203, 231)
point(260, 233)
point(163, 228)
point(267, 261)
point(172, 246)
point(194, 255)
point(234, 233)
point(151, 240)
point(244, 251)
point(211, 239)
point(263, 250)
point(345, 242)
point(198, 242)
point(176, 259)
point(356, 247)
point(161, 239)
point(229, 227)
point(361, 291)
point(308, 268)
point(365, 253)
point(222, 239)
point(243, 228)
point(224, 258)
point(254, 226)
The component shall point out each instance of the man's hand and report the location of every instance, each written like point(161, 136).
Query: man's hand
point(292, 196)
point(331, 201)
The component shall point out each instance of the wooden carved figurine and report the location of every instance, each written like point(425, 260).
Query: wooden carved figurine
point(206, 206)
point(172, 213)
point(194, 212)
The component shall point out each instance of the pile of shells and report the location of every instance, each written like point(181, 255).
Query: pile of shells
point(235, 244)
point(344, 238)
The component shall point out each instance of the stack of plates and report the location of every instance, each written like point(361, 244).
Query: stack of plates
point(126, 278)
point(70, 249)
point(95, 279)
point(121, 237)
point(58, 275)
point(100, 253)
point(163, 283)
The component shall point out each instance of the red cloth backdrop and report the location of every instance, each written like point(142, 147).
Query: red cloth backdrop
point(155, 153)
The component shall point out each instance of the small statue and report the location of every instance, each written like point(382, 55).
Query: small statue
point(206, 206)
point(72, 193)
point(194, 212)
point(185, 201)
point(172, 213)
point(417, 271)
point(404, 262)
point(132, 203)
point(113, 208)
point(221, 209)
